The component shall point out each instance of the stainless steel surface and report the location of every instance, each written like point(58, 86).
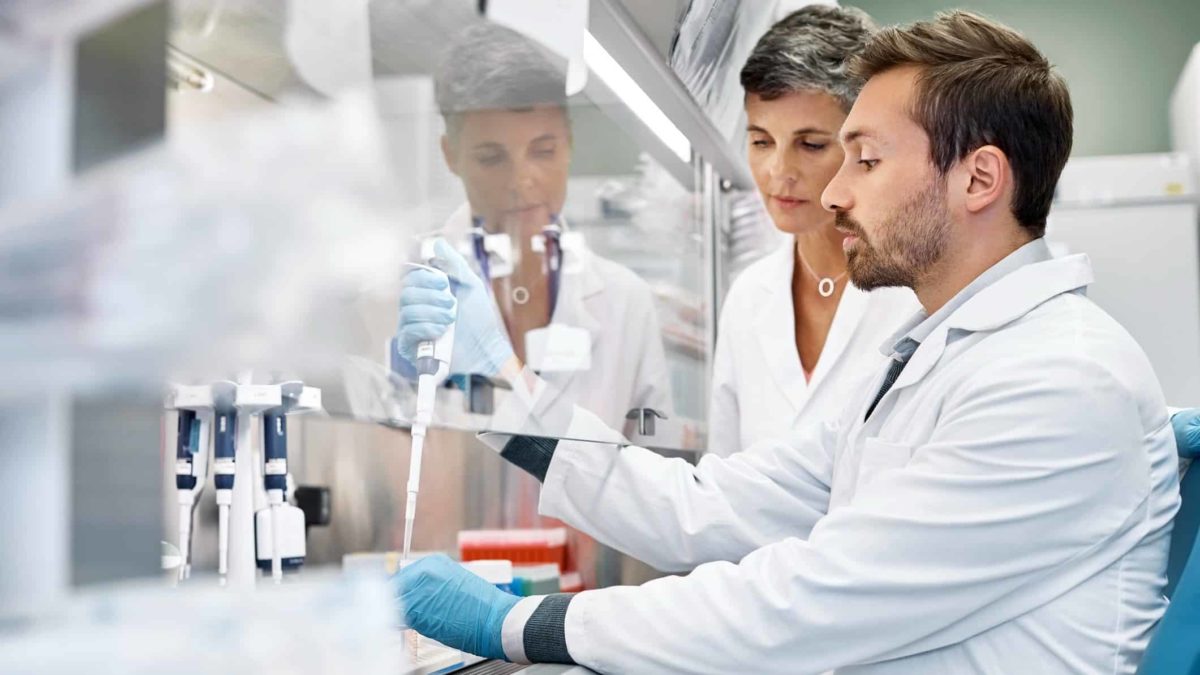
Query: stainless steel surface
point(612, 25)
point(657, 20)
point(120, 90)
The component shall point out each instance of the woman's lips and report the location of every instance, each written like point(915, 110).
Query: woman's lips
point(788, 202)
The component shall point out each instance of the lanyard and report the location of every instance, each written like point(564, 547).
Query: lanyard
point(478, 236)
point(551, 262)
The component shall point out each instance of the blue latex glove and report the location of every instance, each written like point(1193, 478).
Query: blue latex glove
point(481, 346)
point(1187, 432)
point(442, 600)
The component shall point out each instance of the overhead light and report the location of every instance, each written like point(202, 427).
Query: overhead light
point(614, 76)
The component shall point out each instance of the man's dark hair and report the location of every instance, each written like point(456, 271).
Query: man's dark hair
point(490, 67)
point(982, 83)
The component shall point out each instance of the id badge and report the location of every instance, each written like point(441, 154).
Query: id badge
point(557, 348)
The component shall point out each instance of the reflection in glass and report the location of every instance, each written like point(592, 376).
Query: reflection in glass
point(586, 323)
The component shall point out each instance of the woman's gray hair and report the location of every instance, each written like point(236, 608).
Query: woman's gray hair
point(490, 67)
point(809, 49)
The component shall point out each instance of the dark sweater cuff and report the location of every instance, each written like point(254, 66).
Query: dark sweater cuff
point(531, 453)
point(546, 631)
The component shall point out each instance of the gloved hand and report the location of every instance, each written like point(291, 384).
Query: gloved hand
point(442, 600)
point(1187, 431)
point(481, 346)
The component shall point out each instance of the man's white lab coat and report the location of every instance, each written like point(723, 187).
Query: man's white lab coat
point(1005, 509)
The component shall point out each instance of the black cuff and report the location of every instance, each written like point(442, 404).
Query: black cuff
point(531, 453)
point(546, 631)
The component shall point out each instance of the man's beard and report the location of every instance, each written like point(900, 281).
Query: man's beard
point(905, 246)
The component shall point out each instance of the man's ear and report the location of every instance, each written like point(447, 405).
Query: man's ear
point(989, 178)
point(448, 155)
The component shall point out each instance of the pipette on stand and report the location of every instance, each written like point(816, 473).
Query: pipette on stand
point(433, 365)
point(191, 455)
point(275, 478)
point(224, 447)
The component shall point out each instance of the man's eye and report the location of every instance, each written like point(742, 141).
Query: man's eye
point(489, 160)
point(813, 146)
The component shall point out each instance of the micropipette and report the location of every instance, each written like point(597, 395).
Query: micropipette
point(275, 478)
point(191, 454)
point(433, 365)
point(224, 449)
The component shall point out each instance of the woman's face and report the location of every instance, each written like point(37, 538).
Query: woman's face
point(513, 164)
point(794, 154)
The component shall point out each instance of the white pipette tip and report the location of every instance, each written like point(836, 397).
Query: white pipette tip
point(185, 536)
point(410, 512)
point(276, 562)
point(223, 541)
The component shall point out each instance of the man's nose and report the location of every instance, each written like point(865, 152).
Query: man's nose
point(836, 196)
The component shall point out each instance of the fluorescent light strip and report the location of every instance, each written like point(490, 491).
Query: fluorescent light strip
point(613, 75)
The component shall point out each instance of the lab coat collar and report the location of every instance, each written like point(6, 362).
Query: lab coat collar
point(850, 311)
point(1021, 291)
point(775, 329)
point(1008, 299)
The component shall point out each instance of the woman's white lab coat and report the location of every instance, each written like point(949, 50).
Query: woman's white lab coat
point(759, 390)
point(1005, 509)
point(628, 365)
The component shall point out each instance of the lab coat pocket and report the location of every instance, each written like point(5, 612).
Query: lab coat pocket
point(879, 456)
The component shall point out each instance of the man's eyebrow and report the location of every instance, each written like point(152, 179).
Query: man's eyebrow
point(855, 134)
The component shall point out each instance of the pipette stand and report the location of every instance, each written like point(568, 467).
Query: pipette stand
point(250, 400)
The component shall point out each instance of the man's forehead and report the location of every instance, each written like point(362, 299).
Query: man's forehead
point(882, 107)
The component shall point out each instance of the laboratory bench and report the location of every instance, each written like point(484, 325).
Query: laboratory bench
point(504, 668)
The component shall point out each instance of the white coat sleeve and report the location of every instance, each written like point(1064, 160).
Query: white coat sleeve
point(674, 515)
point(665, 511)
point(724, 416)
point(1034, 481)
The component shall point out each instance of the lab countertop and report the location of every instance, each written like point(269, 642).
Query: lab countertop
point(504, 668)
